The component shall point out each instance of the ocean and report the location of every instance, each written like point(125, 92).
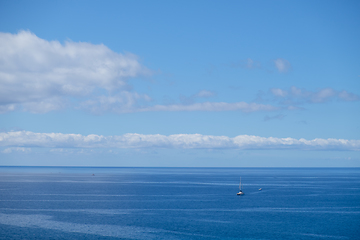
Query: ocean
point(179, 203)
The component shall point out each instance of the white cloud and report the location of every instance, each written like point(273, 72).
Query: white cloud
point(38, 75)
point(24, 139)
point(282, 65)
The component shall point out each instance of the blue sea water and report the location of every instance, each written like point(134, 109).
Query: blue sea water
point(179, 203)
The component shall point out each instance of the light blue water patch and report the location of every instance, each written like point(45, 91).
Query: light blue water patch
point(43, 221)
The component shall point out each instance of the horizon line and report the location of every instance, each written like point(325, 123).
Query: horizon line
point(1, 166)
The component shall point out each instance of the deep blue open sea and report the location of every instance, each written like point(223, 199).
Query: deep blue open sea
point(179, 203)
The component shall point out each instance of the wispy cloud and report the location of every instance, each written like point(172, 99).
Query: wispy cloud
point(297, 95)
point(114, 105)
point(123, 102)
point(126, 102)
point(201, 94)
point(279, 116)
point(16, 149)
point(279, 92)
point(247, 63)
point(282, 65)
point(346, 96)
point(205, 94)
point(212, 106)
point(26, 139)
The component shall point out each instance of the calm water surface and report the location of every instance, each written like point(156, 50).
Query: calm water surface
point(179, 203)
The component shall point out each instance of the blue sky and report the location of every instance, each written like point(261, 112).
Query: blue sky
point(187, 83)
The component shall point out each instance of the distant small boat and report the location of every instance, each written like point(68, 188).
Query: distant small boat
point(260, 189)
point(240, 187)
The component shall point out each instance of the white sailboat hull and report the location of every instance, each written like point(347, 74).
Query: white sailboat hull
point(240, 187)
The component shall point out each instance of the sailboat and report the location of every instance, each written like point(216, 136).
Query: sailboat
point(240, 187)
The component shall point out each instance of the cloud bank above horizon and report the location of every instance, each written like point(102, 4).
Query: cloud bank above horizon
point(26, 139)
